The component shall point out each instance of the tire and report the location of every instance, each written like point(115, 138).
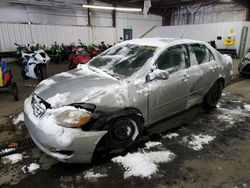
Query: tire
point(14, 89)
point(123, 132)
point(40, 72)
point(23, 73)
point(212, 98)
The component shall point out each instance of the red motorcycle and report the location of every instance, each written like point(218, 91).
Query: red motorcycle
point(78, 56)
point(93, 50)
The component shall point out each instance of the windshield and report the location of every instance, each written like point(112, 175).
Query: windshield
point(123, 60)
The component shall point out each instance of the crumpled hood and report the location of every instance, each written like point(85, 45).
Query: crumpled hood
point(78, 85)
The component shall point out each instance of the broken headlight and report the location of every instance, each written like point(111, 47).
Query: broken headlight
point(73, 118)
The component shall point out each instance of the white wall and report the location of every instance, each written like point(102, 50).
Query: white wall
point(42, 34)
point(66, 25)
point(16, 13)
point(205, 32)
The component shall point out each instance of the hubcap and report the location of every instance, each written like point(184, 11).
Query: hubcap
point(123, 131)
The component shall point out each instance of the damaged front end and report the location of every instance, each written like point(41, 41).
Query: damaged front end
point(64, 133)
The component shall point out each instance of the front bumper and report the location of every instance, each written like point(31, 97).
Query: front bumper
point(52, 138)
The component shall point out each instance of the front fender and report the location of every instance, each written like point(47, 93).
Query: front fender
point(101, 119)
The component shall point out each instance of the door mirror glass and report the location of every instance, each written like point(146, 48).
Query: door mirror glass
point(157, 75)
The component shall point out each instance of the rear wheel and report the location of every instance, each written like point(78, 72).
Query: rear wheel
point(123, 132)
point(213, 96)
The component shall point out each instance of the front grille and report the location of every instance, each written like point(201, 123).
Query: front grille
point(39, 106)
point(246, 68)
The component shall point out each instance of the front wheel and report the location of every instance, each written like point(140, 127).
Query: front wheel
point(123, 132)
point(212, 98)
point(40, 72)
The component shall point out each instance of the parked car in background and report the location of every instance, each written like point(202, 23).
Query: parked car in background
point(244, 66)
point(124, 89)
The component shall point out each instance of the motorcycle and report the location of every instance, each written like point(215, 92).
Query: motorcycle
point(19, 51)
point(37, 47)
point(34, 65)
point(93, 50)
point(80, 56)
point(103, 46)
point(56, 53)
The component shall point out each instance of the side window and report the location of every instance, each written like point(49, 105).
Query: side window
point(199, 54)
point(172, 60)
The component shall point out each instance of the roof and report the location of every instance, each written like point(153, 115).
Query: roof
point(159, 42)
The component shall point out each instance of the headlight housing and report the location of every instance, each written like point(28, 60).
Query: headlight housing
point(73, 118)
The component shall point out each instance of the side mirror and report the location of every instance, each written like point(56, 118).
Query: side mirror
point(157, 75)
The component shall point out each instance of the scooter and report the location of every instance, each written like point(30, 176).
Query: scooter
point(34, 65)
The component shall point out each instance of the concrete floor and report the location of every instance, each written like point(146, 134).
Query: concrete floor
point(225, 162)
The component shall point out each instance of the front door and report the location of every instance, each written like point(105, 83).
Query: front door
point(169, 96)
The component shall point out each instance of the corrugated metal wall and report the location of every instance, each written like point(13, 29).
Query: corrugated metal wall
point(203, 32)
point(42, 34)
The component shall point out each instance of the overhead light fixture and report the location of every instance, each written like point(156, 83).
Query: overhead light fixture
point(113, 8)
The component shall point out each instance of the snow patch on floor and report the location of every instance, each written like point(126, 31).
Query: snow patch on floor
point(171, 135)
point(30, 168)
point(143, 164)
point(18, 119)
point(12, 159)
point(197, 141)
point(91, 175)
point(150, 144)
point(247, 107)
point(231, 115)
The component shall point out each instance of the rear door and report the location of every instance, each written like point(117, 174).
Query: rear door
point(206, 66)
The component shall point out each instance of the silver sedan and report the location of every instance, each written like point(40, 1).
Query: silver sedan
point(126, 88)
